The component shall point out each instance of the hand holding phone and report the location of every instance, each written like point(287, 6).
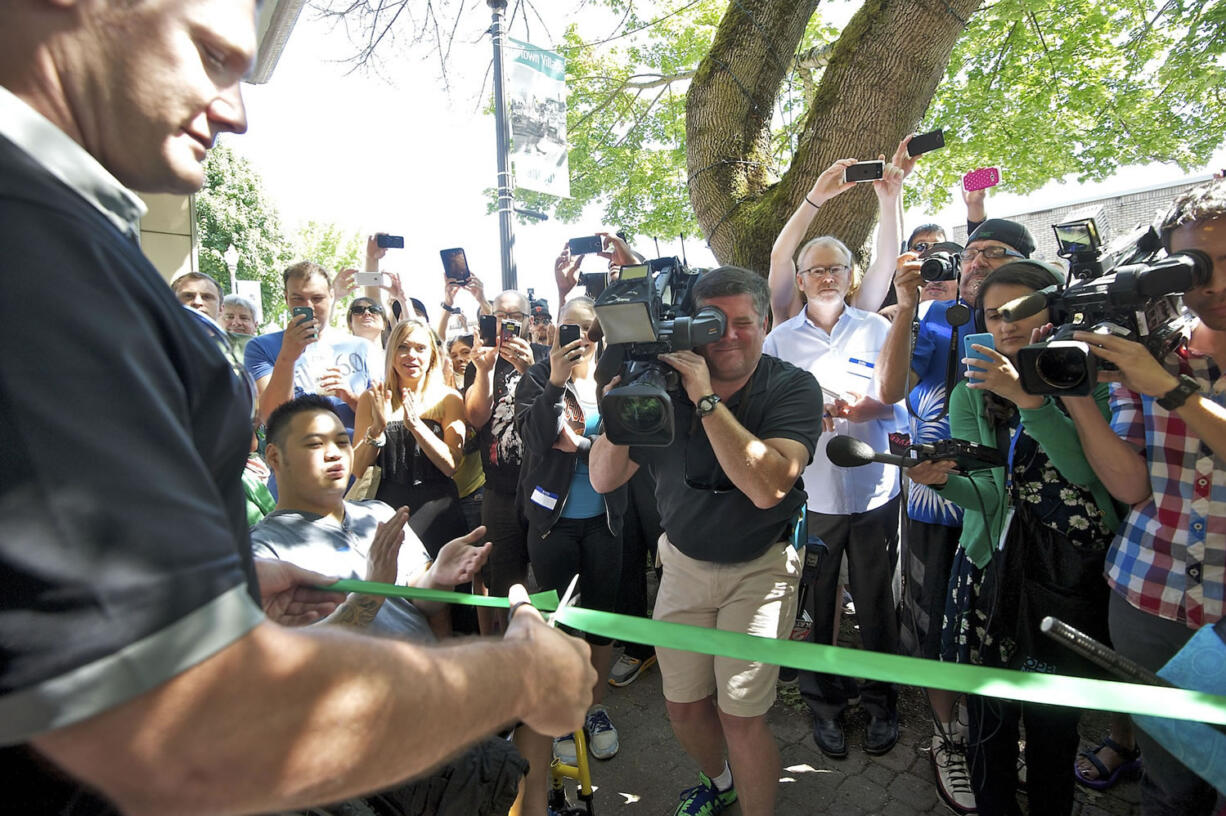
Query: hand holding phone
point(302, 314)
point(587, 245)
point(982, 339)
point(567, 334)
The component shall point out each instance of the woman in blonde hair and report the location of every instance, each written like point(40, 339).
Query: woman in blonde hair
point(413, 428)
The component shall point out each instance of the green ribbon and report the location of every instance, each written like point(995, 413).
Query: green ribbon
point(1033, 687)
point(543, 601)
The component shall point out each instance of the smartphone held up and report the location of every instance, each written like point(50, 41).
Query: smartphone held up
point(981, 179)
point(864, 171)
point(587, 245)
point(455, 265)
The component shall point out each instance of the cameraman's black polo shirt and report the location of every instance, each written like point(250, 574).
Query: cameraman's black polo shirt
point(784, 402)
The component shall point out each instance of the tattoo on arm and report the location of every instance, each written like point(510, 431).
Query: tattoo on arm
point(357, 611)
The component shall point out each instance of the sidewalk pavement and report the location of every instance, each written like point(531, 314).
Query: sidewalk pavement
point(644, 779)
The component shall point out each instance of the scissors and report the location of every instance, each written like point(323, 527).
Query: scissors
point(568, 599)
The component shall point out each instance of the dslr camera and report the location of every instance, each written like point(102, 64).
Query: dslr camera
point(649, 310)
point(1132, 290)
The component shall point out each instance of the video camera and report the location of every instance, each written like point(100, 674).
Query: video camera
point(1132, 290)
point(649, 310)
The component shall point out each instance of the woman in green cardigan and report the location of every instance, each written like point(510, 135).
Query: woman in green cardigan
point(1034, 536)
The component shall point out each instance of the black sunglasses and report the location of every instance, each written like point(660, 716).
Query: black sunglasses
point(371, 309)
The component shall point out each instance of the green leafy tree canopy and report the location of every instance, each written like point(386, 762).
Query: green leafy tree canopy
point(232, 209)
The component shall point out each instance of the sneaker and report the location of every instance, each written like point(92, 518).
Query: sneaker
point(564, 749)
point(627, 669)
point(601, 735)
point(788, 676)
point(704, 799)
point(953, 776)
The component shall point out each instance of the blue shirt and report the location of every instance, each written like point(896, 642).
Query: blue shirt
point(928, 398)
point(582, 501)
point(334, 350)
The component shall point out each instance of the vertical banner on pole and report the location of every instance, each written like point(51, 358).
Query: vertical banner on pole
point(536, 92)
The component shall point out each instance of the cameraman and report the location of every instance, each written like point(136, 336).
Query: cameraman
point(1164, 452)
point(727, 489)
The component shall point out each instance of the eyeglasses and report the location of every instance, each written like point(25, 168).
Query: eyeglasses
point(510, 316)
point(374, 308)
point(920, 247)
point(836, 269)
point(227, 347)
point(993, 253)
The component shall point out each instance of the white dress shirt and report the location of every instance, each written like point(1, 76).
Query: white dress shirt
point(844, 363)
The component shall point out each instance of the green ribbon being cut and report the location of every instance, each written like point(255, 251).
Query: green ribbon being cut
point(1057, 689)
point(544, 601)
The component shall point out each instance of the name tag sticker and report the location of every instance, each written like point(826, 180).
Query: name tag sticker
point(544, 498)
point(859, 367)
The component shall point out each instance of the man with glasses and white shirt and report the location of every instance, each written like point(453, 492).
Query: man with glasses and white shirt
point(854, 511)
point(489, 398)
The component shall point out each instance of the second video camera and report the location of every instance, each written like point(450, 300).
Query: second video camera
point(1132, 291)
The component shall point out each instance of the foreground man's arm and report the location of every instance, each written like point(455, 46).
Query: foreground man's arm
point(315, 716)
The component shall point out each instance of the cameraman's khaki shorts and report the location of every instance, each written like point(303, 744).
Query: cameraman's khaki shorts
point(756, 597)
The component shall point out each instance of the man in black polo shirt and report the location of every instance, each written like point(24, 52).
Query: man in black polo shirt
point(135, 656)
point(727, 492)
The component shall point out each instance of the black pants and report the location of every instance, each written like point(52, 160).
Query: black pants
point(1051, 748)
point(870, 541)
point(582, 547)
point(507, 530)
point(640, 536)
point(1168, 788)
point(928, 558)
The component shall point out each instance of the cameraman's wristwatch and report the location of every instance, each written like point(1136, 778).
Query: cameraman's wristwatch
point(1178, 395)
point(706, 405)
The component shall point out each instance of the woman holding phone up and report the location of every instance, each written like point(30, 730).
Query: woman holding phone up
point(572, 529)
point(1034, 537)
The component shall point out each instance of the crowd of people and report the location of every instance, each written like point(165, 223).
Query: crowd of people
point(180, 488)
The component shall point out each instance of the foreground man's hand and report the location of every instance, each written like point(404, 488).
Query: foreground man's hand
point(562, 669)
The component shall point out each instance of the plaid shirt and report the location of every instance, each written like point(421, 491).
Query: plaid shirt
point(1169, 557)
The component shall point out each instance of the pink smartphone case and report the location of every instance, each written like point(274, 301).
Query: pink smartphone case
point(981, 179)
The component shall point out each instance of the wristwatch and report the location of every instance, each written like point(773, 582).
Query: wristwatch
point(451, 309)
point(1178, 395)
point(376, 441)
point(706, 405)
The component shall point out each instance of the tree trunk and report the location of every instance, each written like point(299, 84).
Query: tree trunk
point(882, 73)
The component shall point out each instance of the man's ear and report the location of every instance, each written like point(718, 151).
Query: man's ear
point(272, 455)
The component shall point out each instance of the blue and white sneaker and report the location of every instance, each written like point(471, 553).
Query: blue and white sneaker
point(564, 749)
point(601, 735)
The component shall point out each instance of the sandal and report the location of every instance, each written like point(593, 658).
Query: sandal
point(1107, 778)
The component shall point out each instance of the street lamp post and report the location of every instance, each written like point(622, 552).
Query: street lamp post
point(231, 259)
point(506, 202)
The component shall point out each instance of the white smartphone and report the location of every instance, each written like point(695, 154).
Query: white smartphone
point(368, 278)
